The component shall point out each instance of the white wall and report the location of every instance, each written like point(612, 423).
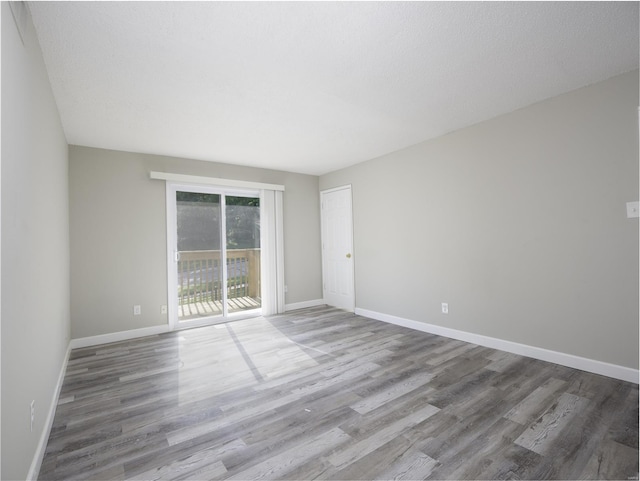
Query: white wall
point(519, 223)
point(118, 235)
point(35, 246)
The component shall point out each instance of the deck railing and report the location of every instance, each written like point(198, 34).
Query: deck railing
point(200, 275)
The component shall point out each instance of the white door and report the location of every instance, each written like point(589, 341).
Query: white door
point(337, 248)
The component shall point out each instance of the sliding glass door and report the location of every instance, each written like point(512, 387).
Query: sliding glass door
point(215, 254)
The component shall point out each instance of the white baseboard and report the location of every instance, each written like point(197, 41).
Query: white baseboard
point(303, 305)
point(36, 463)
point(569, 360)
point(118, 336)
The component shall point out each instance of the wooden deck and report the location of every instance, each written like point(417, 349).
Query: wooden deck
point(321, 393)
point(214, 308)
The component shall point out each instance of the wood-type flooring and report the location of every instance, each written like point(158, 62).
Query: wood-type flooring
point(322, 393)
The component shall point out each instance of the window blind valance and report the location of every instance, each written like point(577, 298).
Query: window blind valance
point(202, 180)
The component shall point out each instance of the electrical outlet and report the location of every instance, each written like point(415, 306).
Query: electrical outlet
point(137, 310)
point(163, 309)
point(445, 308)
point(33, 414)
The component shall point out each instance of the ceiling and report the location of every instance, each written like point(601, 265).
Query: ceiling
point(312, 87)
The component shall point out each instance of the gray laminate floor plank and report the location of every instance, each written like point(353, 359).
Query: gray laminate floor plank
point(411, 464)
point(370, 465)
point(535, 403)
point(539, 436)
point(275, 467)
point(379, 438)
point(321, 393)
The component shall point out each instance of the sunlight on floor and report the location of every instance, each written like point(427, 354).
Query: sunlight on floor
point(239, 360)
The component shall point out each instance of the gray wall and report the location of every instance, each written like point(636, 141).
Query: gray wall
point(118, 235)
point(35, 246)
point(519, 223)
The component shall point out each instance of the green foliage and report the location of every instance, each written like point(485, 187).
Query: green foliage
point(243, 222)
point(197, 197)
point(215, 199)
point(246, 201)
point(199, 221)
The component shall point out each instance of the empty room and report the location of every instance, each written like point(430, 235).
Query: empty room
point(319, 240)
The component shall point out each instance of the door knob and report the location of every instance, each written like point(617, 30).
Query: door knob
point(348, 256)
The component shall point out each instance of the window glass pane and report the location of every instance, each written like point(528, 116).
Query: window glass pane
point(199, 267)
point(243, 253)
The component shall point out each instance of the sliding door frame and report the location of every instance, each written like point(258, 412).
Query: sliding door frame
point(172, 243)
